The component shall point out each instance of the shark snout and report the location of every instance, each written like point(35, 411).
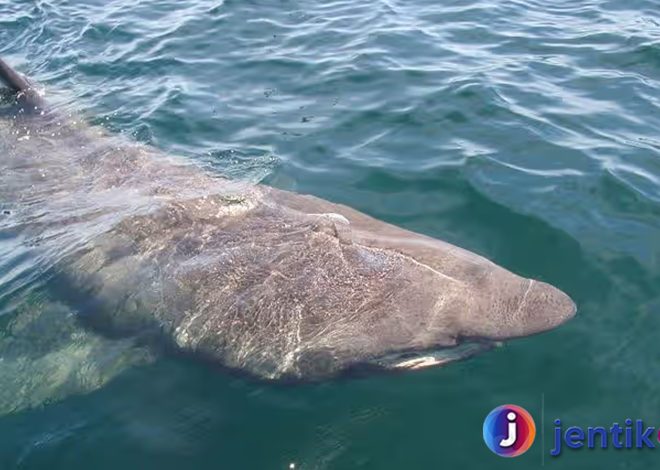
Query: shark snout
point(543, 307)
point(517, 307)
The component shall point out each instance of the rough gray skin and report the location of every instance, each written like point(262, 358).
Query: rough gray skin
point(277, 284)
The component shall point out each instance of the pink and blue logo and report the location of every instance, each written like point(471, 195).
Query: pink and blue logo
point(509, 430)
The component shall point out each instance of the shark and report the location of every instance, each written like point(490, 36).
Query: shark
point(278, 285)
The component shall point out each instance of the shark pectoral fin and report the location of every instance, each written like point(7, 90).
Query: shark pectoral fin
point(46, 355)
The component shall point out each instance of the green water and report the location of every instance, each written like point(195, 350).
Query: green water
point(526, 131)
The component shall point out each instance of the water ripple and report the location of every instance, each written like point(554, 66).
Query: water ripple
point(526, 130)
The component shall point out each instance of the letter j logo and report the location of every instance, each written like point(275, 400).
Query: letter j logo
point(509, 430)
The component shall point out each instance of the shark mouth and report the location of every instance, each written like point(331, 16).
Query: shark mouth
point(414, 360)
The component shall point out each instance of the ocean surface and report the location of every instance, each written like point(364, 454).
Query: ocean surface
point(527, 131)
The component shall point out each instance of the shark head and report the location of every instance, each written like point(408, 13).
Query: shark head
point(426, 302)
point(459, 304)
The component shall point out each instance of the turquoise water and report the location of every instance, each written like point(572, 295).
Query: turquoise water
point(525, 131)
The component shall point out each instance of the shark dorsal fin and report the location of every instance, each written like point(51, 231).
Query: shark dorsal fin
point(12, 78)
point(27, 97)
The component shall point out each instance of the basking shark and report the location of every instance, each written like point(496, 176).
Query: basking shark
point(280, 285)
